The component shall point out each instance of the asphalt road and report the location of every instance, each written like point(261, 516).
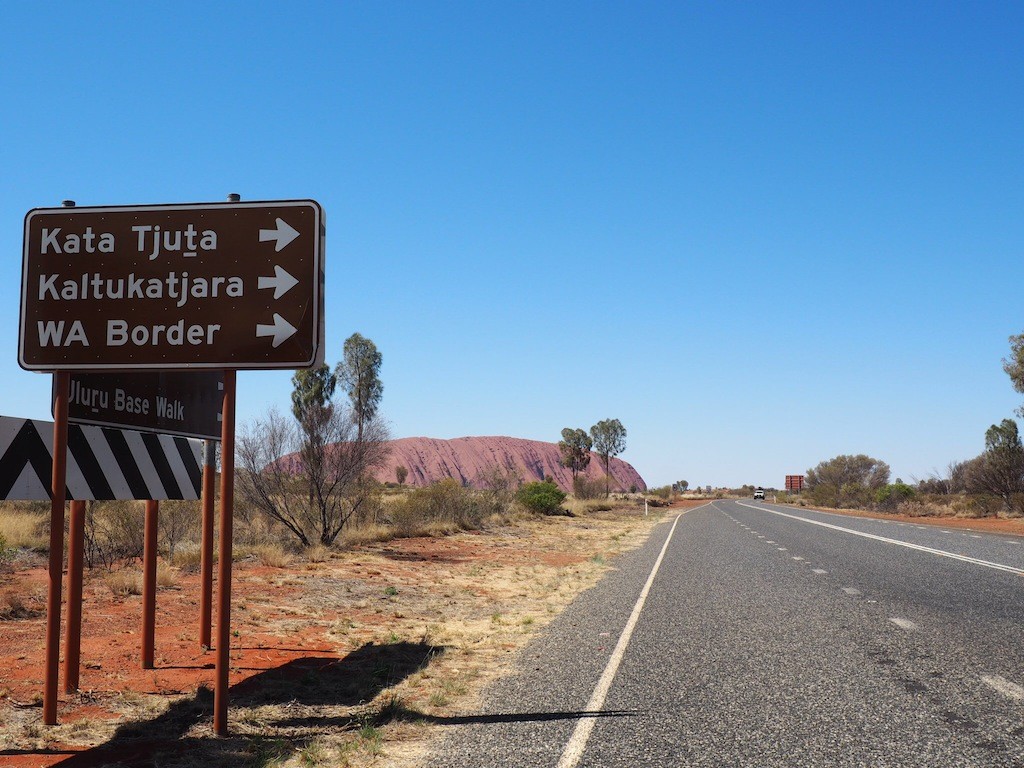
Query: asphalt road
point(747, 634)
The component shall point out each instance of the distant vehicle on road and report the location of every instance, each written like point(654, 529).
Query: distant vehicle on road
point(759, 493)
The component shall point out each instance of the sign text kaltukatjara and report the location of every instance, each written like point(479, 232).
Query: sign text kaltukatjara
point(211, 285)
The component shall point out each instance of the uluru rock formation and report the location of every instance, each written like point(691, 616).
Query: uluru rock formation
point(467, 458)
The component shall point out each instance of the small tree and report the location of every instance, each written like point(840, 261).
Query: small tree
point(310, 486)
point(609, 438)
point(846, 480)
point(401, 473)
point(575, 447)
point(1000, 469)
point(359, 375)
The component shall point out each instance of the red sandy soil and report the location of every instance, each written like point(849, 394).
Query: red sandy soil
point(274, 631)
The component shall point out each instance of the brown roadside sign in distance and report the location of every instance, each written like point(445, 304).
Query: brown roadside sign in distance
point(161, 287)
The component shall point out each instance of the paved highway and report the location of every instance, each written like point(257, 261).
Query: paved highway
point(749, 634)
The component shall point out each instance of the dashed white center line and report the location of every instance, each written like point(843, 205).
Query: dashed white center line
point(1004, 686)
point(769, 542)
point(906, 624)
point(797, 558)
point(852, 591)
point(898, 542)
point(782, 549)
point(820, 571)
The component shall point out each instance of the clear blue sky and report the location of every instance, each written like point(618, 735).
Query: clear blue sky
point(759, 234)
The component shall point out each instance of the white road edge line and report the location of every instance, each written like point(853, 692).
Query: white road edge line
point(886, 539)
point(906, 624)
point(1004, 686)
point(578, 741)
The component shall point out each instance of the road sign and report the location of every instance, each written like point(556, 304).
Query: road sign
point(212, 285)
point(102, 463)
point(185, 403)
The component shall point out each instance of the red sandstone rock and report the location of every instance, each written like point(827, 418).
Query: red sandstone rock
point(466, 458)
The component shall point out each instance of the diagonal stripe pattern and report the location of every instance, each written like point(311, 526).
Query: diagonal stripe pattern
point(103, 464)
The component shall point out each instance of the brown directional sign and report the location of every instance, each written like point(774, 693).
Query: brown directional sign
point(185, 403)
point(212, 285)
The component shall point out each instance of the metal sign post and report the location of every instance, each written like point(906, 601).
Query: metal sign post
point(227, 503)
point(206, 545)
point(57, 488)
point(73, 630)
point(149, 583)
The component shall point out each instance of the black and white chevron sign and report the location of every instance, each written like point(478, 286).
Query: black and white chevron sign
point(103, 463)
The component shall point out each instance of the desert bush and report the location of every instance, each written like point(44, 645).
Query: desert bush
point(541, 498)
point(178, 521)
point(664, 492)
point(498, 486)
point(188, 559)
point(114, 532)
point(890, 496)
point(984, 505)
point(312, 477)
point(580, 507)
point(585, 488)
point(445, 503)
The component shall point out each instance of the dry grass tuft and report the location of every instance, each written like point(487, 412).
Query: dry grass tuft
point(124, 582)
point(368, 534)
point(318, 553)
point(14, 606)
point(188, 560)
point(24, 527)
point(272, 555)
point(166, 576)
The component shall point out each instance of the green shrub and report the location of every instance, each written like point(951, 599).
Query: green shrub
point(543, 498)
point(888, 497)
point(664, 492)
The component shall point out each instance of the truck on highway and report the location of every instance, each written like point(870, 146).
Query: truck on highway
point(759, 492)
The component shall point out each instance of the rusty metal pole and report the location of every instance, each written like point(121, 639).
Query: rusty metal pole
point(206, 546)
point(149, 583)
point(73, 630)
point(227, 499)
point(58, 485)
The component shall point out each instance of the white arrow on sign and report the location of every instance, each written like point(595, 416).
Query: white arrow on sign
point(283, 234)
point(280, 330)
point(281, 282)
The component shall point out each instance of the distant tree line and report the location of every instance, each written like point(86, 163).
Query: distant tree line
point(990, 483)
